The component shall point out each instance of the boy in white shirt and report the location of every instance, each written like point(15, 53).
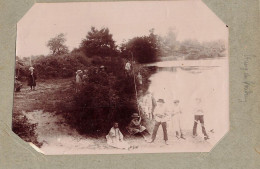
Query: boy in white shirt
point(161, 117)
point(199, 117)
point(176, 113)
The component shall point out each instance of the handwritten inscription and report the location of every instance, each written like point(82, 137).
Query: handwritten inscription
point(247, 83)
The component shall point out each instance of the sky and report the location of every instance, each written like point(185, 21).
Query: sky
point(125, 20)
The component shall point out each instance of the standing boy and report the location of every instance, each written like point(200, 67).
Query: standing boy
point(199, 117)
point(161, 116)
point(176, 113)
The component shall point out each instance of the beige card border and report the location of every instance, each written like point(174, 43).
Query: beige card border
point(240, 148)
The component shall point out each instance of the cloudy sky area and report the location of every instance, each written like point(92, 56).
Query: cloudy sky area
point(125, 20)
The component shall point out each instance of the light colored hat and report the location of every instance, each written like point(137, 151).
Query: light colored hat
point(135, 115)
point(31, 68)
point(78, 71)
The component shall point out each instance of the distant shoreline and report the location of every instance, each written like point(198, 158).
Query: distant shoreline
point(183, 63)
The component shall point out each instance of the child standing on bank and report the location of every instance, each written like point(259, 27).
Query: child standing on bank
point(199, 117)
point(161, 118)
point(176, 119)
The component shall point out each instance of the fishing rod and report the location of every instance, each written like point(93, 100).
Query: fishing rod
point(135, 86)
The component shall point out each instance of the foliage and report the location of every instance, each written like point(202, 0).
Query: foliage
point(24, 129)
point(144, 49)
point(169, 44)
point(107, 96)
point(62, 66)
point(99, 43)
point(195, 50)
point(57, 45)
point(110, 95)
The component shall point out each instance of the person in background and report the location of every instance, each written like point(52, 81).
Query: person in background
point(161, 117)
point(139, 78)
point(78, 80)
point(128, 68)
point(199, 117)
point(135, 127)
point(149, 105)
point(102, 68)
point(32, 78)
point(116, 139)
point(176, 114)
point(85, 76)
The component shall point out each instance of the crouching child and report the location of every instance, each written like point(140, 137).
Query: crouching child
point(135, 127)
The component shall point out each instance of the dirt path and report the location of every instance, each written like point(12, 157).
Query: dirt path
point(58, 138)
point(47, 95)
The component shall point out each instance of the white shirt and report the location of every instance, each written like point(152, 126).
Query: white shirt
point(198, 110)
point(78, 79)
point(127, 66)
point(175, 109)
point(161, 114)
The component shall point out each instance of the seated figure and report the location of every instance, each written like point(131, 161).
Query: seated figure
point(115, 138)
point(135, 127)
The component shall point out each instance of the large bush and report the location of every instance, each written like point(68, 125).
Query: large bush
point(107, 96)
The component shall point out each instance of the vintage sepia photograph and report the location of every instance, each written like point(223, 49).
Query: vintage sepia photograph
point(121, 77)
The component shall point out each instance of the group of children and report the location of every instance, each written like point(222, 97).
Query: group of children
point(161, 115)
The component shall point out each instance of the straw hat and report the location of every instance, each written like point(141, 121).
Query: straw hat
point(135, 115)
point(78, 71)
point(31, 68)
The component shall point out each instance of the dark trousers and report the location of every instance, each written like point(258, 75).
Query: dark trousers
point(155, 129)
point(199, 118)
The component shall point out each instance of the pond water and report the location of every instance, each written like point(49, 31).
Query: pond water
point(188, 80)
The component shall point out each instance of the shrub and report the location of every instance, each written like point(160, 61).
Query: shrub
point(62, 66)
point(107, 96)
point(24, 129)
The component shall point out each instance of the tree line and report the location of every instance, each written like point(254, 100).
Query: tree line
point(99, 44)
